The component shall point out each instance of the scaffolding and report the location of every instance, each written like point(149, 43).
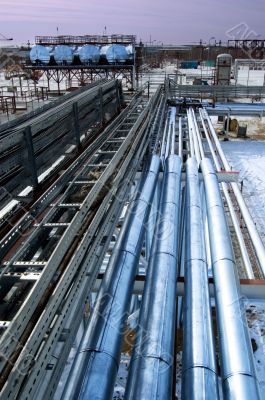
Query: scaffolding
point(83, 74)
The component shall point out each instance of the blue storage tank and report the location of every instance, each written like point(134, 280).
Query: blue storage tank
point(130, 52)
point(39, 55)
point(51, 50)
point(116, 54)
point(103, 52)
point(63, 54)
point(75, 50)
point(89, 54)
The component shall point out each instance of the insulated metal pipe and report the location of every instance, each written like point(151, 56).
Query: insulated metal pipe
point(206, 229)
point(199, 375)
point(254, 235)
point(170, 137)
point(150, 229)
point(100, 347)
point(180, 152)
point(173, 130)
point(191, 140)
point(151, 367)
point(165, 137)
point(237, 364)
point(193, 136)
point(181, 252)
point(197, 133)
point(241, 242)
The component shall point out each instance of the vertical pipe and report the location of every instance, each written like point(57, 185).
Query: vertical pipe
point(238, 370)
point(199, 376)
point(150, 375)
point(101, 345)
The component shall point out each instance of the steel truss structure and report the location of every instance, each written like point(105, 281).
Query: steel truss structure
point(252, 48)
point(247, 43)
point(85, 74)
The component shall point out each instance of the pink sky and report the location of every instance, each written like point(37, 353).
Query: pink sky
point(168, 21)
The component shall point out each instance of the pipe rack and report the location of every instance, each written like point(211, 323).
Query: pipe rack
point(101, 345)
point(151, 369)
point(74, 241)
point(254, 235)
point(76, 213)
point(238, 371)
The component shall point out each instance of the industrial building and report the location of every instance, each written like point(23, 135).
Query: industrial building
point(132, 238)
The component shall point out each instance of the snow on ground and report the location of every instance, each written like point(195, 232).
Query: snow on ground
point(248, 77)
point(248, 157)
point(256, 323)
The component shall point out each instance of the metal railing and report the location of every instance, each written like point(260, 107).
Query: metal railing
point(85, 39)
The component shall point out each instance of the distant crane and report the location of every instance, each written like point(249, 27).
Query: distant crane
point(2, 37)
